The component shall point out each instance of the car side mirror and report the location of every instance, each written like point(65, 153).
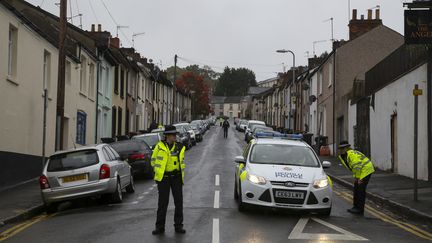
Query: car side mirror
point(240, 159)
point(326, 164)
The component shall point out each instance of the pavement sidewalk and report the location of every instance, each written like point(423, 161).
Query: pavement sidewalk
point(20, 202)
point(389, 189)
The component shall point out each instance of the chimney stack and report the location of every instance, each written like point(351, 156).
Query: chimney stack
point(377, 14)
point(92, 28)
point(115, 42)
point(99, 28)
point(358, 27)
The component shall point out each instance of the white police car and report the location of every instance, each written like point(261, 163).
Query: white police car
point(282, 172)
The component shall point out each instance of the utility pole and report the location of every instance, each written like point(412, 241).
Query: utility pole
point(61, 75)
point(174, 89)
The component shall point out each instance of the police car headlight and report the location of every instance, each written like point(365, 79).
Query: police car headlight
point(256, 179)
point(320, 183)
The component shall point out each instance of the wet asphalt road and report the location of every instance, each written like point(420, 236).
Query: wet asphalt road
point(205, 219)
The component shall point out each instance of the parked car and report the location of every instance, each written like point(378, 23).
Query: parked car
point(189, 129)
point(183, 137)
point(200, 125)
point(262, 130)
point(198, 134)
point(151, 139)
point(138, 155)
point(252, 122)
point(85, 172)
point(243, 125)
point(251, 127)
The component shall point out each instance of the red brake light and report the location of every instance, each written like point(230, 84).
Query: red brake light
point(43, 182)
point(137, 156)
point(104, 172)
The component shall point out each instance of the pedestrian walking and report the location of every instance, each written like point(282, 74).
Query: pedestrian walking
point(168, 164)
point(362, 169)
point(225, 127)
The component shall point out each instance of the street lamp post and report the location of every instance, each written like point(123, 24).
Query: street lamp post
point(293, 79)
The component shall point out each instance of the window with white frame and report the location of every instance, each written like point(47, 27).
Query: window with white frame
point(47, 71)
point(92, 83)
point(102, 80)
point(83, 75)
point(12, 51)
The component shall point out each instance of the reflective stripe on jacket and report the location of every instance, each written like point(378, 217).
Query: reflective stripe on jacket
point(242, 172)
point(163, 159)
point(358, 164)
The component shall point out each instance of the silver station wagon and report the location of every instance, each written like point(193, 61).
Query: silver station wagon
point(85, 172)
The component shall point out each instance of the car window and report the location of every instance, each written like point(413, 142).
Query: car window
point(246, 150)
point(283, 154)
point(126, 146)
point(150, 140)
point(107, 154)
point(116, 155)
point(73, 160)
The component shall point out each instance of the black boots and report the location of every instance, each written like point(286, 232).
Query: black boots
point(180, 230)
point(355, 211)
point(158, 231)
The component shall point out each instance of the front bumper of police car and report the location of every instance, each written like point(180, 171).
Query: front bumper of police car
point(258, 191)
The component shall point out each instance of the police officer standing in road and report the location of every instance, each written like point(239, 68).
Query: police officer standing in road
point(362, 169)
point(168, 164)
point(225, 126)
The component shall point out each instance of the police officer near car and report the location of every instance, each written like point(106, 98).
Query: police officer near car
point(362, 169)
point(168, 165)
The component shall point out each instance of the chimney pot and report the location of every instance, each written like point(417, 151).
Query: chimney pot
point(99, 27)
point(369, 14)
point(377, 14)
point(354, 13)
point(362, 17)
point(115, 42)
point(92, 28)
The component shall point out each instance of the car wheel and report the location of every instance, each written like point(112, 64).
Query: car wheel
point(325, 212)
point(240, 204)
point(131, 187)
point(51, 208)
point(236, 196)
point(194, 143)
point(117, 196)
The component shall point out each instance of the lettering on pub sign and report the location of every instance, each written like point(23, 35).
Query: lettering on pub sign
point(418, 26)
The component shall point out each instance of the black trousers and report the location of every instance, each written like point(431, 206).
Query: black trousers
point(225, 132)
point(360, 193)
point(173, 182)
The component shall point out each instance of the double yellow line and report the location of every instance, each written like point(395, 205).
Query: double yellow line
point(386, 218)
point(20, 227)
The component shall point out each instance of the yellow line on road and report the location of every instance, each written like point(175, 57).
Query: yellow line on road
point(386, 218)
point(20, 227)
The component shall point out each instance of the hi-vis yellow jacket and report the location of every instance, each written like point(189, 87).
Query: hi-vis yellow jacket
point(358, 163)
point(162, 155)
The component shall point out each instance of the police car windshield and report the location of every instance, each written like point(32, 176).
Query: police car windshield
point(283, 154)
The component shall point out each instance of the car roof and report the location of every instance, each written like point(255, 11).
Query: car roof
point(279, 141)
point(146, 135)
point(256, 121)
point(87, 147)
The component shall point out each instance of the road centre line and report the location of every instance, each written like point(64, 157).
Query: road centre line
point(140, 197)
point(217, 181)
point(216, 199)
point(215, 234)
point(386, 218)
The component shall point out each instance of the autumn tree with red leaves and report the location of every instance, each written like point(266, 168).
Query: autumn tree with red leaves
point(195, 84)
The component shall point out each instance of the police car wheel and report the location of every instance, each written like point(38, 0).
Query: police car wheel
point(236, 196)
point(241, 204)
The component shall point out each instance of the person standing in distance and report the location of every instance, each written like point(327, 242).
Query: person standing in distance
point(225, 126)
point(362, 169)
point(168, 165)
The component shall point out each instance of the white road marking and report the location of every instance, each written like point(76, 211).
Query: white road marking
point(145, 193)
point(297, 232)
point(217, 182)
point(123, 204)
point(216, 199)
point(135, 202)
point(215, 236)
point(141, 197)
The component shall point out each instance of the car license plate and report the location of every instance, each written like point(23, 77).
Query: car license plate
point(289, 194)
point(74, 178)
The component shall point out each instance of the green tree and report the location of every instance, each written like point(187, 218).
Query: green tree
point(235, 82)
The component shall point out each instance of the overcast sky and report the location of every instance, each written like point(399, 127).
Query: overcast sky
point(235, 33)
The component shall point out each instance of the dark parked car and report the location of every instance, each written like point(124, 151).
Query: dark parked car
point(137, 153)
point(184, 137)
point(151, 139)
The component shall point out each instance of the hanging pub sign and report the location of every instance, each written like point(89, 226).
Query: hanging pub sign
point(418, 26)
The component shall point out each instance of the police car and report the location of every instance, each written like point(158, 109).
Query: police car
point(282, 171)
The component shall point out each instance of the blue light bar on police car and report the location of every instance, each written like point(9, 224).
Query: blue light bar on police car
point(282, 136)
